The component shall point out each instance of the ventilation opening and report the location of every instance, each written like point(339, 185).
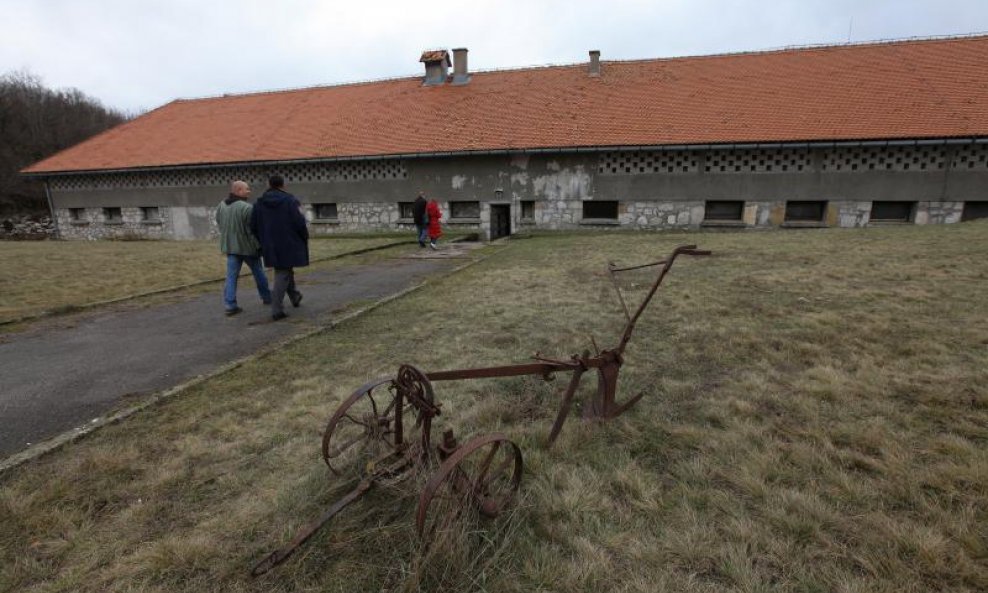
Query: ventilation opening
point(892, 211)
point(723, 211)
point(112, 215)
point(600, 209)
point(77, 214)
point(805, 211)
point(528, 209)
point(975, 210)
point(150, 214)
point(406, 210)
point(460, 210)
point(325, 211)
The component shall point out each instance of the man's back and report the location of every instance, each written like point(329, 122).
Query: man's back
point(233, 222)
point(280, 227)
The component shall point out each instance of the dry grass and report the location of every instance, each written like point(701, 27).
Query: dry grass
point(52, 275)
point(816, 419)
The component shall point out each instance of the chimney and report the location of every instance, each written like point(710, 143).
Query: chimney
point(436, 66)
point(594, 62)
point(461, 75)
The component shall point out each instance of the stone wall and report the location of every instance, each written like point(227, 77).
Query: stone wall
point(92, 224)
point(654, 189)
point(27, 227)
point(938, 212)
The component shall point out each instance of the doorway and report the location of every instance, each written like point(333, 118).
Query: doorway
point(500, 220)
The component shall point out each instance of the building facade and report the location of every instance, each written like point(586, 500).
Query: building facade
point(655, 144)
point(741, 187)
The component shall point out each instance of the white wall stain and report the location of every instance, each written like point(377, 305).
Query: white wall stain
point(520, 161)
point(459, 181)
point(567, 184)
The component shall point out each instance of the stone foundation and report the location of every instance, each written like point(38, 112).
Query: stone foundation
point(938, 212)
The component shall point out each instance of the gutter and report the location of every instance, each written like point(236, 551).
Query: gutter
point(528, 151)
point(51, 209)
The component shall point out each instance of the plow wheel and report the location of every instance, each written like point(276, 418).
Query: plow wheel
point(482, 475)
point(363, 428)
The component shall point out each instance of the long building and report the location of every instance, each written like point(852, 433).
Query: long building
point(846, 135)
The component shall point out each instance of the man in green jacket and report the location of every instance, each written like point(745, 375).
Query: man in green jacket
point(239, 245)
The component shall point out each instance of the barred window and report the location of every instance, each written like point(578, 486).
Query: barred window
point(325, 211)
point(600, 209)
point(805, 211)
point(723, 210)
point(528, 209)
point(464, 209)
point(892, 211)
point(112, 215)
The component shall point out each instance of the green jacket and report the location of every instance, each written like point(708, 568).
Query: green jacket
point(233, 220)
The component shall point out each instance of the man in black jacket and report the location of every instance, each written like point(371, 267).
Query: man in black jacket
point(278, 223)
point(418, 216)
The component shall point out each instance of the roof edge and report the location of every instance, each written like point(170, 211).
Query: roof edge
point(918, 141)
point(775, 50)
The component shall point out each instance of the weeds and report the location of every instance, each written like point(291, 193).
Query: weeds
point(814, 420)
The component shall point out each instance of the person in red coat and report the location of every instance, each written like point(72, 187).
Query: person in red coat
point(435, 230)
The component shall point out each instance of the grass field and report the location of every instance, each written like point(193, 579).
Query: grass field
point(52, 275)
point(815, 419)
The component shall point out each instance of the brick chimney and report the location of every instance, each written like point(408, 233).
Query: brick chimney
point(436, 66)
point(461, 75)
point(594, 62)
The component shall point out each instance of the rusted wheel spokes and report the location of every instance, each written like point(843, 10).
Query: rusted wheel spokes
point(483, 473)
point(362, 428)
point(415, 391)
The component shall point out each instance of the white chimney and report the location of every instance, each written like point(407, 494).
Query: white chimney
point(461, 75)
point(594, 62)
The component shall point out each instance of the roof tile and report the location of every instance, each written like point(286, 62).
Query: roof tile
point(911, 89)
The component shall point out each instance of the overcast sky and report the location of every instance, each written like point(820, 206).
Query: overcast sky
point(136, 55)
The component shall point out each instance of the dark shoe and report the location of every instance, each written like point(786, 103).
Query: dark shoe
point(278, 316)
point(267, 302)
point(296, 299)
point(421, 244)
point(233, 311)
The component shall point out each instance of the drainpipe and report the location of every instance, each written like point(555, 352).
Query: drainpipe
point(51, 208)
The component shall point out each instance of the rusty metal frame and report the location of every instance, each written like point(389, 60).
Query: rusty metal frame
point(607, 363)
point(413, 388)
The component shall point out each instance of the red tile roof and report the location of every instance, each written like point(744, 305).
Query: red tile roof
point(908, 89)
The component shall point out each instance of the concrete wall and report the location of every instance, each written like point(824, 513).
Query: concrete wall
point(653, 189)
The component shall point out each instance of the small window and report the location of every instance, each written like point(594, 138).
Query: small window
point(464, 209)
point(974, 211)
point(528, 209)
point(77, 214)
point(805, 211)
point(150, 214)
point(405, 210)
point(601, 209)
point(892, 211)
point(325, 211)
point(732, 211)
point(112, 215)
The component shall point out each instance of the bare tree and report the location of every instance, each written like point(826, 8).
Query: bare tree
point(36, 122)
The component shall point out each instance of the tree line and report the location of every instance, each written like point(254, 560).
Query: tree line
point(36, 122)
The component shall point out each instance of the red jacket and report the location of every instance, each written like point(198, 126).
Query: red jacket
point(432, 209)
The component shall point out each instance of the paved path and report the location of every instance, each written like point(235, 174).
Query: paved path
point(58, 376)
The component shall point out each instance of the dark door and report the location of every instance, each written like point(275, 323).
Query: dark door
point(500, 221)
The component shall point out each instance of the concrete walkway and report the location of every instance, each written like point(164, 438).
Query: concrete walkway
point(58, 376)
